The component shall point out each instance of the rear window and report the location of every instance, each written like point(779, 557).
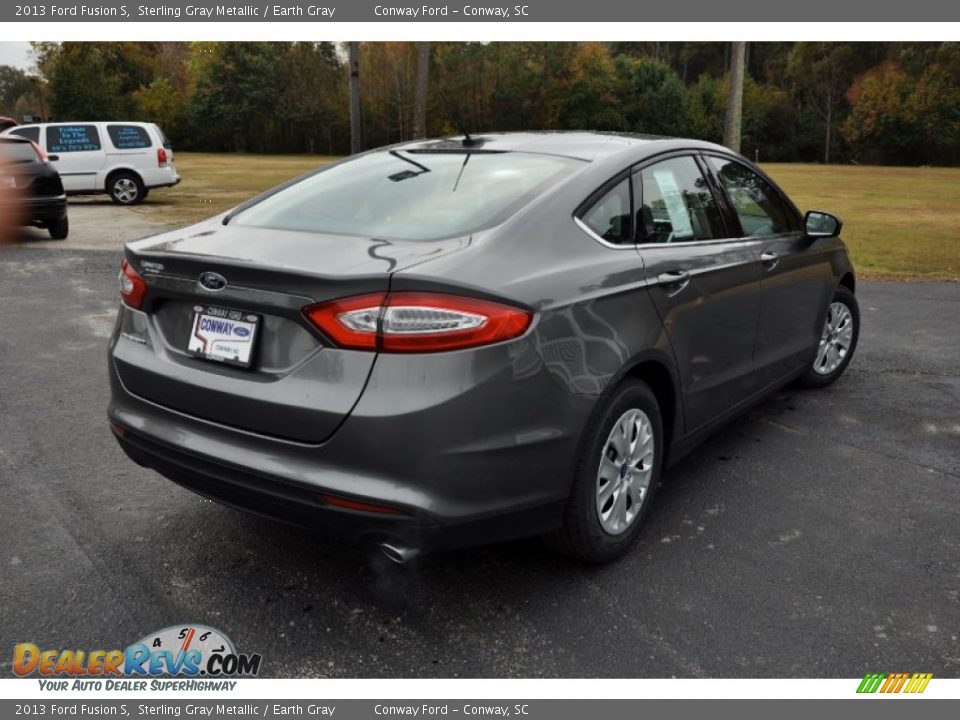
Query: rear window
point(128, 137)
point(30, 133)
point(164, 140)
point(12, 151)
point(410, 195)
point(72, 138)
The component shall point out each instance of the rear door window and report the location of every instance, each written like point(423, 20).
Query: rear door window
point(128, 137)
point(609, 217)
point(675, 204)
point(30, 133)
point(757, 204)
point(72, 138)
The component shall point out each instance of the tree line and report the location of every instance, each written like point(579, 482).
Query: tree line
point(881, 103)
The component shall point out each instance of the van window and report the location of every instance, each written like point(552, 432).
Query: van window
point(128, 137)
point(72, 138)
point(164, 140)
point(30, 132)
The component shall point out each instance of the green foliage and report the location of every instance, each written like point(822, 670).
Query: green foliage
point(652, 96)
point(768, 117)
point(82, 87)
point(14, 85)
point(870, 102)
point(905, 119)
point(234, 93)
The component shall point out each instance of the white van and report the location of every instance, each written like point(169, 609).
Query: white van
point(123, 159)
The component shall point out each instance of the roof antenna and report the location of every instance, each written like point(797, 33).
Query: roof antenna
point(457, 118)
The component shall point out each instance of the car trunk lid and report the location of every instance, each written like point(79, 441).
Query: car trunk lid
point(300, 386)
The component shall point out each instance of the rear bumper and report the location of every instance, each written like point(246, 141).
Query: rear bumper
point(466, 459)
point(275, 499)
point(37, 210)
point(160, 178)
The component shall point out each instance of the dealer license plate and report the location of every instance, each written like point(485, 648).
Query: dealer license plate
point(223, 335)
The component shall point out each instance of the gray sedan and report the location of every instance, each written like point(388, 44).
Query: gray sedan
point(474, 339)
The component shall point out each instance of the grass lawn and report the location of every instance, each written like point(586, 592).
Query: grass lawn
point(215, 182)
point(900, 223)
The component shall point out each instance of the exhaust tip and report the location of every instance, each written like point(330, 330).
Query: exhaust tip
point(397, 553)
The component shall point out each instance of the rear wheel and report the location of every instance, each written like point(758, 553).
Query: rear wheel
point(125, 188)
point(616, 477)
point(838, 340)
point(59, 229)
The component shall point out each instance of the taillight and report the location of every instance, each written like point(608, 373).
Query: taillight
point(41, 155)
point(349, 504)
point(161, 157)
point(132, 286)
point(414, 322)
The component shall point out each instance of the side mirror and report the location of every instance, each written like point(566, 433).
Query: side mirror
point(53, 158)
point(818, 224)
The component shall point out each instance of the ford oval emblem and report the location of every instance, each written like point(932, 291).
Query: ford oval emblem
point(241, 331)
point(212, 281)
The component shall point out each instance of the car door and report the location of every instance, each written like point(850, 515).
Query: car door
point(79, 149)
point(705, 285)
point(128, 146)
point(796, 277)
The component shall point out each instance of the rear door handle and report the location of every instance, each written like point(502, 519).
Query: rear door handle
point(770, 259)
point(674, 281)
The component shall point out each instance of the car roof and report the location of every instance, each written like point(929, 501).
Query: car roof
point(583, 145)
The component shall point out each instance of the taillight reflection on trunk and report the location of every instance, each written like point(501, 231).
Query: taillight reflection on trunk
point(417, 322)
point(132, 286)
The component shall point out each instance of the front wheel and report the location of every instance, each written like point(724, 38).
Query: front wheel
point(838, 340)
point(616, 477)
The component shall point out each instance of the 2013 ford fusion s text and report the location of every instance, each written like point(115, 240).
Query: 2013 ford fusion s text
point(467, 340)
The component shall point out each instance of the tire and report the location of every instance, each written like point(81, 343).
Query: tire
point(838, 342)
point(59, 229)
point(585, 534)
point(125, 188)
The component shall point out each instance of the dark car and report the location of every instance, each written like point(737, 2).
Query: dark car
point(32, 193)
point(468, 340)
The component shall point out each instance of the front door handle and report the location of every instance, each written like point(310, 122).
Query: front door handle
point(770, 259)
point(674, 281)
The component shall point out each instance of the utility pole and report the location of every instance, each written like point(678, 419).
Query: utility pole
point(356, 128)
point(733, 117)
point(420, 93)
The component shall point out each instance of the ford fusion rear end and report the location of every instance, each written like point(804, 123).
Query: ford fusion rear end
point(268, 359)
point(463, 341)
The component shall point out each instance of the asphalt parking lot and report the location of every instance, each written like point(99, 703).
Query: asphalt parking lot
point(818, 536)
